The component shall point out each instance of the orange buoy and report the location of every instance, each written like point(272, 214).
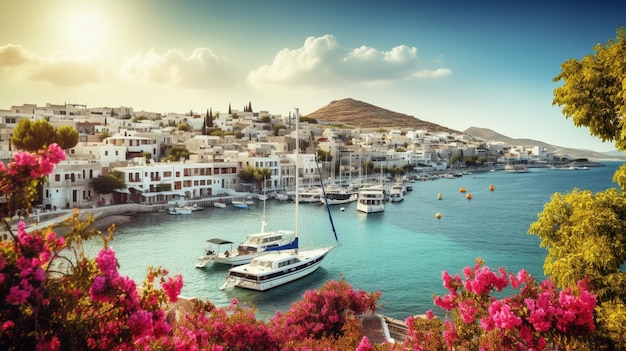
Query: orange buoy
point(462, 190)
point(491, 187)
point(438, 215)
point(469, 196)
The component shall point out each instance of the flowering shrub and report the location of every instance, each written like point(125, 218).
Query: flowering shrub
point(539, 317)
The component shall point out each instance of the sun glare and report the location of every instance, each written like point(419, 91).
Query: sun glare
point(86, 31)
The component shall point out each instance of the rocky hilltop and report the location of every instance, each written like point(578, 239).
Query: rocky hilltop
point(359, 114)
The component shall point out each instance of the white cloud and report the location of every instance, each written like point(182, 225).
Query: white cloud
point(57, 69)
point(321, 61)
point(201, 69)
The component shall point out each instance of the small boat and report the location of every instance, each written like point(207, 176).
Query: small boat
point(281, 196)
point(396, 193)
point(180, 211)
point(515, 168)
point(371, 200)
point(279, 267)
point(339, 196)
point(219, 205)
point(309, 195)
point(240, 204)
point(256, 244)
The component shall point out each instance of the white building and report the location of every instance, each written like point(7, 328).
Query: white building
point(164, 181)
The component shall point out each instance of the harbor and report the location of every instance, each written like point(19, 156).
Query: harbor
point(400, 252)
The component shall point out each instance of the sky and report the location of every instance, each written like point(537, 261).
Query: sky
point(460, 64)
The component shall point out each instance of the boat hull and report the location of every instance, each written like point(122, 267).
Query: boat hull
point(255, 278)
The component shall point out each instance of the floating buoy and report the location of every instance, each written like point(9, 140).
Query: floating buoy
point(462, 190)
point(342, 209)
point(468, 196)
point(491, 187)
point(438, 215)
point(439, 196)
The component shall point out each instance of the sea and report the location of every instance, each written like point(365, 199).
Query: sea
point(400, 252)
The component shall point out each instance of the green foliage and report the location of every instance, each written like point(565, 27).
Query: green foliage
point(324, 155)
point(146, 155)
point(66, 137)
point(184, 127)
point(593, 91)
point(585, 235)
point(37, 135)
point(176, 153)
point(104, 135)
point(255, 175)
point(277, 128)
point(308, 119)
point(106, 184)
point(33, 136)
point(266, 119)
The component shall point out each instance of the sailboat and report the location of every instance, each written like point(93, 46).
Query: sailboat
point(256, 244)
point(277, 268)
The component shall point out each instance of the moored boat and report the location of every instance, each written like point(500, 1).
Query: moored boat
point(180, 211)
point(275, 268)
point(339, 196)
point(371, 200)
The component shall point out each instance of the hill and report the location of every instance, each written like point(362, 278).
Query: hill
point(490, 135)
point(358, 114)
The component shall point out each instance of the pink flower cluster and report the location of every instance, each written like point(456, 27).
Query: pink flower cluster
point(524, 321)
point(27, 165)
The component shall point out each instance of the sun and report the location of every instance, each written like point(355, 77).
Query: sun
point(86, 31)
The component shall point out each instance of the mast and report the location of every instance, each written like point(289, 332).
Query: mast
point(297, 157)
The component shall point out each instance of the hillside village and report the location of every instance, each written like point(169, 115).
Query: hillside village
point(221, 144)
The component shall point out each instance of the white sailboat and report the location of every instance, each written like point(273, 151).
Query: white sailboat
point(278, 267)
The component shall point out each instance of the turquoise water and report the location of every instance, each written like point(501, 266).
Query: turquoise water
point(400, 252)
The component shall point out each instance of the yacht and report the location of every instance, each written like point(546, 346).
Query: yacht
point(339, 196)
point(371, 200)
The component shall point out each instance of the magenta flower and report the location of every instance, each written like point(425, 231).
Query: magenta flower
point(172, 287)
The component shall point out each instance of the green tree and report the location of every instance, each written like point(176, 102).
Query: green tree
point(66, 137)
point(106, 184)
point(175, 153)
point(33, 136)
point(585, 236)
point(585, 233)
point(184, 127)
point(255, 175)
point(593, 92)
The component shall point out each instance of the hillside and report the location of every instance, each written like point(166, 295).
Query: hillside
point(358, 114)
point(490, 135)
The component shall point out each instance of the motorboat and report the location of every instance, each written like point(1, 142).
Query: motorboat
point(515, 168)
point(339, 196)
point(240, 204)
point(312, 195)
point(278, 267)
point(371, 199)
point(396, 193)
point(255, 244)
point(180, 210)
point(275, 268)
